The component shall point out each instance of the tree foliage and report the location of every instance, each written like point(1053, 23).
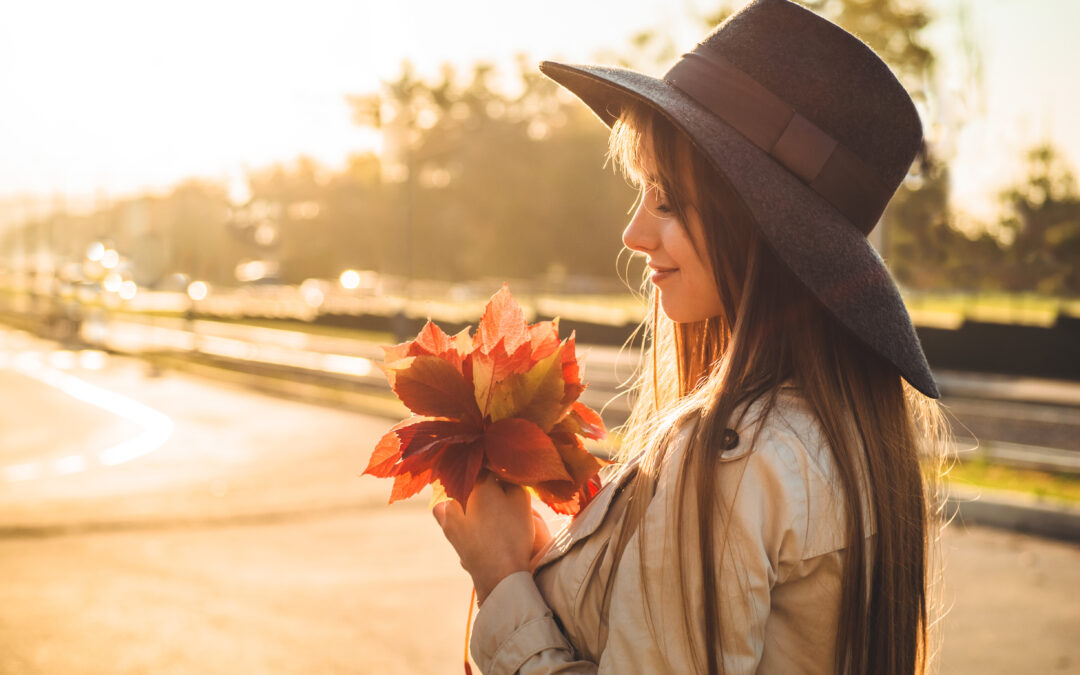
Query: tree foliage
point(492, 174)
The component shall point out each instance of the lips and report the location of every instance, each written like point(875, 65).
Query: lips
point(661, 273)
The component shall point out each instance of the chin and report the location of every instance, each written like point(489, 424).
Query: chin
point(676, 313)
point(680, 313)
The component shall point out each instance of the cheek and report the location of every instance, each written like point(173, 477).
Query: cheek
point(690, 256)
point(680, 247)
point(697, 298)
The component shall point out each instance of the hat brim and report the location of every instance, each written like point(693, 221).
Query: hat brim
point(824, 250)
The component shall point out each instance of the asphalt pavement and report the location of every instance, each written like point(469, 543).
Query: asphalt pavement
point(245, 542)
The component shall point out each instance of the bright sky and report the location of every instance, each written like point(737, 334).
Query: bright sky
point(119, 96)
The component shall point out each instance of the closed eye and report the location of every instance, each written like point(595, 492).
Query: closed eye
point(659, 198)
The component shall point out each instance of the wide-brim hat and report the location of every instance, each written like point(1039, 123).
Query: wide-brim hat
point(813, 132)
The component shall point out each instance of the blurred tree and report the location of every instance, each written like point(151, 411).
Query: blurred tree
point(483, 175)
point(495, 183)
point(1035, 245)
point(649, 49)
point(892, 28)
point(193, 219)
point(1041, 222)
point(935, 255)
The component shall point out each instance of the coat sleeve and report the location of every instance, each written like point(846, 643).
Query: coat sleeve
point(765, 505)
point(516, 632)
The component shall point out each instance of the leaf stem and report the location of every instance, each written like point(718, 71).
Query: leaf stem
point(468, 627)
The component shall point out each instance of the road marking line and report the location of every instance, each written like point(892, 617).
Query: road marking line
point(157, 427)
point(69, 464)
point(18, 472)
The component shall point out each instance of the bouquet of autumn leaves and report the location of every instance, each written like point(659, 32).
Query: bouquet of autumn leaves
point(503, 400)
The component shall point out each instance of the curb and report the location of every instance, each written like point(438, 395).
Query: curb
point(318, 393)
point(999, 509)
point(1015, 511)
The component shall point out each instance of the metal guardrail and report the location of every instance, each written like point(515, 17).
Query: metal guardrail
point(345, 360)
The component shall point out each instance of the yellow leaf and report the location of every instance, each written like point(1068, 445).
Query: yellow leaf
point(438, 494)
point(535, 395)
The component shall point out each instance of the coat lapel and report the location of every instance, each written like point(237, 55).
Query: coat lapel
point(585, 523)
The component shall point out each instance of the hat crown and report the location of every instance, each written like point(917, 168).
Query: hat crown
point(812, 131)
point(829, 76)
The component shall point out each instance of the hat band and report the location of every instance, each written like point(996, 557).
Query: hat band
point(833, 171)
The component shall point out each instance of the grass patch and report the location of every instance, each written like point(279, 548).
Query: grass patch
point(1043, 484)
point(377, 337)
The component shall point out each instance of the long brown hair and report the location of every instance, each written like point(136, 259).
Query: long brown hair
point(772, 330)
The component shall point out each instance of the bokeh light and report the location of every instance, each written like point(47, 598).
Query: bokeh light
point(350, 279)
point(113, 282)
point(198, 290)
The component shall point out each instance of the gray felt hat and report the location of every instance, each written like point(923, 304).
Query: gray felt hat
point(813, 131)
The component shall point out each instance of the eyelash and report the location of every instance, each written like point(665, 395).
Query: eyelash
point(663, 207)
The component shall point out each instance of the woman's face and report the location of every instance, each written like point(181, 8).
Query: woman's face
point(684, 278)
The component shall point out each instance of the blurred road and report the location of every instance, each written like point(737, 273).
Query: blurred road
point(242, 541)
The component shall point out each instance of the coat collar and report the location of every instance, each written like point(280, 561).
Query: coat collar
point(586, 522)
point(592, 516)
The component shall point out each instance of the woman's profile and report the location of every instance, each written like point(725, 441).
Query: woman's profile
point(769, 513)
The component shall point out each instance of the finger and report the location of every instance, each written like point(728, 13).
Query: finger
point(448, 513)
point(486, 491)
point(517, 493)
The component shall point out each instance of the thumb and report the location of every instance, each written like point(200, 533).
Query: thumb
point(439, 511)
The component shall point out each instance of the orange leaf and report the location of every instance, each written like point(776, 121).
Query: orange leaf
point(504, 399)
point(569, 360)
point(437, 343)
point(560, 495)
point(426, 435)
point(432, 340)
point(482, 367)
point(399, 351)
point(519, 451)
point(458, 468)
point(430, 386)
point(463, 343)
point(563, 497)
point(490, 368)
point(543, 339)
point(407, 484)
point(536, 395)
point(387, 453)
point(503, 320)
point(580, 463)
point(588, 420)
point(453, 465)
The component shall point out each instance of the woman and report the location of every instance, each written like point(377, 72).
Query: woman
point(769, 514)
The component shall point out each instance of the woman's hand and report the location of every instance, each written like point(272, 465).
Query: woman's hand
point(542, 534)
point(497, 533)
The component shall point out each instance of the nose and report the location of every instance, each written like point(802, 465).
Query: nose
point(641, 233)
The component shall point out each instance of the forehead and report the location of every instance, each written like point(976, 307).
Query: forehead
point(675, 173)
point(645, 160)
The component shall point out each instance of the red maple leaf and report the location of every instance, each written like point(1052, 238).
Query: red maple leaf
point(503, 400)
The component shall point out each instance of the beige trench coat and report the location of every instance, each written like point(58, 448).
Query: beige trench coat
point(779, 575)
